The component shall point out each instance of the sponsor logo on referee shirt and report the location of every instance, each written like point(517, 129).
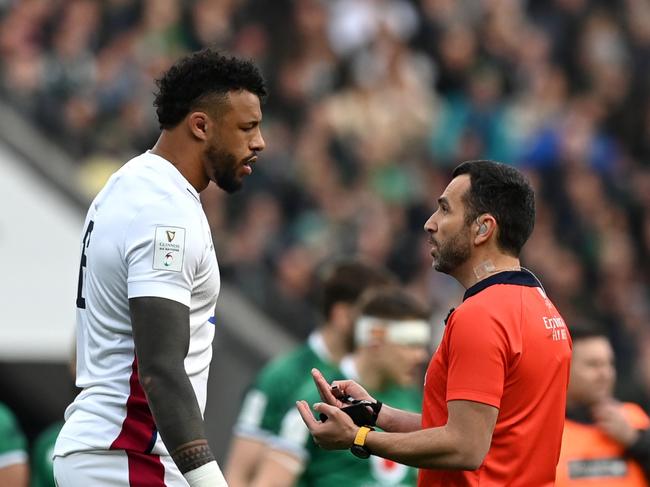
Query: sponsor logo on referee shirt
point(557, 328)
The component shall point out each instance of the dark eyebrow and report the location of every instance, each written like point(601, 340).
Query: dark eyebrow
point(442, 200)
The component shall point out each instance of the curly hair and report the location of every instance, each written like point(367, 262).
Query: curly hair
point(503, 192)
point(197, 76)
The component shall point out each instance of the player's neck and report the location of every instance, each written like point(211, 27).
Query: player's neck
point(172, 147)
point(335, 342)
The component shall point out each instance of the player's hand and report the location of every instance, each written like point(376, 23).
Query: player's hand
point(337, 433)
point(611, 420)
point(334, 393)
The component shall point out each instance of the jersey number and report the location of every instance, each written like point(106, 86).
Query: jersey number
point(81, 302)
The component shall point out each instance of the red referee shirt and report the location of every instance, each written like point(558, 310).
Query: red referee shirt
point(507, 346)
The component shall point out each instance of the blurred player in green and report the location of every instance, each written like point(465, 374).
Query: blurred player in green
point(41, 457)
point(273, 392)
point(392, 339)
point(14, 470)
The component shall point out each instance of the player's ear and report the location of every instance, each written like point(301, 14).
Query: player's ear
point(198, 124)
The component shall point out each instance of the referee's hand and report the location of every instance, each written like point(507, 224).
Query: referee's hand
point(335, 394)
point(337, 433)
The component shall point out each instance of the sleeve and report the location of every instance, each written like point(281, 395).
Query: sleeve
point(163, 248)
point(249, 421)
point(478, 357)
point(13, 445)
point(267, 400)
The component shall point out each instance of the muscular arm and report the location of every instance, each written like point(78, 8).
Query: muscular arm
point(161, 333)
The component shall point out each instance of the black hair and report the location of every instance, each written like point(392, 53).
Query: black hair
point(392, 303)
point(585, 331)
point(344, 280)
point(503, 192)
point(197, 76)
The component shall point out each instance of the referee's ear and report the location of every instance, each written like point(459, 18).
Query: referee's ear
point(485, 227)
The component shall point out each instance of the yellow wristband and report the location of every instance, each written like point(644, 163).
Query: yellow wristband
point(360, 438)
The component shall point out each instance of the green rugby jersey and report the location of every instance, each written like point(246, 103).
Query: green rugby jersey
point(274, 390)
point(41, 474)
point(13, 445)
point(324, 468)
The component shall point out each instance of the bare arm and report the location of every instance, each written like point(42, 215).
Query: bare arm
point(161, 333)
point(461, 444)
point(16, 475)
point(278, 469)
point(243, 461)
point(398, 421)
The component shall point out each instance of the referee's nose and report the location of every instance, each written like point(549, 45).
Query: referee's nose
point(430, 226)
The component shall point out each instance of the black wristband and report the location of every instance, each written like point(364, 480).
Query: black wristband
point(362, 412)
point(376, 407)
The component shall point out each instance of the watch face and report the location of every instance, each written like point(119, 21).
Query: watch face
point(360, 451)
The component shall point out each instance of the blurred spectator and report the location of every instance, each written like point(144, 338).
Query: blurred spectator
point(605, 442)
point(371, 102)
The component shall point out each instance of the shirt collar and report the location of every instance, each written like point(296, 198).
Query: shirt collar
point(319, 347)
point(176, 175)
point(349, 368)
point(516, 278)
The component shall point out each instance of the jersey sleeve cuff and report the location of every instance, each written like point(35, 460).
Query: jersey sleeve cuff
point(15, 457)
point(474, 396)
point(286, 446)
point(251, 433)
point(158, 289)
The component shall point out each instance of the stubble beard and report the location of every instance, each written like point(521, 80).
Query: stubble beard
point(453, 253)
point(224, 167)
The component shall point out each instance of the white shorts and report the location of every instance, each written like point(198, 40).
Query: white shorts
point(116, 468)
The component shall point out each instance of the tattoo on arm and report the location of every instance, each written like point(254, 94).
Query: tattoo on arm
point(192, 455)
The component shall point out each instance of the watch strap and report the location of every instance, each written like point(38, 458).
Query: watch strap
point(362, 434)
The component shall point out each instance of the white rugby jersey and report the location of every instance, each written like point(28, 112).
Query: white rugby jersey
point(145, 235)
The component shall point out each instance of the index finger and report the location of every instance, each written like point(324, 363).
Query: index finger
point(306, 415)
point(323, 387)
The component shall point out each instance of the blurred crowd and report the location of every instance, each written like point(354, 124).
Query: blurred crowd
point(372, 103)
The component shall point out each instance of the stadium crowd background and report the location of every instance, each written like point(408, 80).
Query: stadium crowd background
point(372, 103)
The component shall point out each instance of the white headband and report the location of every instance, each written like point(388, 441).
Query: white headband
point(402, 332)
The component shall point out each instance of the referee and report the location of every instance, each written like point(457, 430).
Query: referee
point(495, 390)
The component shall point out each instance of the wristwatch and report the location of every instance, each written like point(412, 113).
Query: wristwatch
point(359, 447)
